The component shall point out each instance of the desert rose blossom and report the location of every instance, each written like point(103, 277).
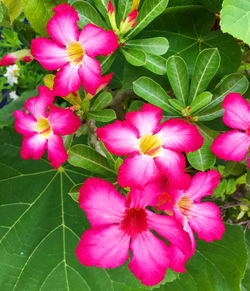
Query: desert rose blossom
point(12, 58)
point(153, 148)
point(73, 52)
point(234, 144)
point(118, 225)
point(43, 126)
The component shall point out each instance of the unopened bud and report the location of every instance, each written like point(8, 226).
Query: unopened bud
point(11, 58)
point(130, 22)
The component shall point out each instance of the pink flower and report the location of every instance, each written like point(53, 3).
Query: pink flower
point(201, 217)
point(12, 58)
point(153, 148)
point(43, 127)
point(234, 145)
point(73, 52)
point(118, 226)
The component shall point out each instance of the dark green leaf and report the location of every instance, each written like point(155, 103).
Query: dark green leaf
point(74, 192)
point(211, 114)
point(102, 101)
point(176, 104)
point(104, 115)
point(134, 57)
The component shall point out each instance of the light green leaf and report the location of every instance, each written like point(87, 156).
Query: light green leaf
point(87, 158)
point(124, 8)
point(155, 45)
point(14, 7)
point(235, 19)
point(39, 13)
point(178, 77)
point(152, 92)
point(210, 114)
point(202, 159)
point(201, 100)
point(155, 64)
point(104, 115)
point(148, 12)
point(110, 157)
point(74, 192)
point(88, 14)
point(102, 101)
point(134, 57)
point(206, 66)
point(176, 104)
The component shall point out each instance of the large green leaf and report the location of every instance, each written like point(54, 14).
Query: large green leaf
point(235, 19)
point(104, 115)
point(246, 280)
point(124, 7)
point(155, 64)
point(134, 56)
point(14, 8)
point(188, 30)
point(39, 13)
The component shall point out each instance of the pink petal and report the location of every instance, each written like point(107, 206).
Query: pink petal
point(63, 121)
point(137, 171)
point(56, 151)
point(206, 222)
point(104, 246)
point(173, 165)
point(8, 60)
point(147, 120)
point(150, 258)
point(37, 106)
point(67, 80)
point(62, 27)
point(90, 72)
point(237, 111)
point(48, 53)
point(24, 123)
point(96, 41)
point(33, 147)
point(179, 135)
point(101, 202)
point(120, 138)
point(203, 184)
point(232, 145)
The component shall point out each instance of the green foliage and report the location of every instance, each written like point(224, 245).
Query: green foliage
point(101, 101)
point(14, 8)
point(104, 115)
point(134, 57)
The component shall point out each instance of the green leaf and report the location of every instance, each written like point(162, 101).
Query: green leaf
point(155, 45)
point(39, 13)
point(214, 5)
point(102, 6)
point(124, 8)
point(107, 61)
point(178, 77)
point(176, 104)
point(14, 7)
point(202, 159)
point(246, 280)
point(206, 66)
point(148, 12)
point(152, 92)
point(201, 100)
point(110, 157)
point(216, 266)
point(102, 101)
point(211, 114)
point(234, 83)
point(88, 14)
point(233, 168)
point(155, 64)
point(235, 19)
point(74, 192)
point(87, 158)
point(104, 115)
point(134, 57)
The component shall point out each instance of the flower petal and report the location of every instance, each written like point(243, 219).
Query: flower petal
point(232, 145)
point(147, 120)
point(63, 121)
point(101, 202)
point(56, 151)
point(96, 41)
point(205, 220)
point(33, 147)
point(137, 171)
point(67, 80)
point(37, 106)
point(237, 111)
point(150, 258)
point(179, 135)
point(120, 138)
point(203, 184)
point(173, 165)
point(24, 123)
point(48, 53)
point(62, 27)
point(104, 246)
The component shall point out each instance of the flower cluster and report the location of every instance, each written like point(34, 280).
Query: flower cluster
point(154, 172)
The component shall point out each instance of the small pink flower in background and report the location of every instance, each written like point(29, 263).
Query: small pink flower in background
point(154, 148)
point(118, 225)
point(44, 126)
point(73, 52)
point(12, 58)
point(234, 145)
point(200, 217)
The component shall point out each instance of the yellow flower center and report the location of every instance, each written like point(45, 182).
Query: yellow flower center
point(75, 53)
point(150, 145)
point(184, 205)
point(43, 127)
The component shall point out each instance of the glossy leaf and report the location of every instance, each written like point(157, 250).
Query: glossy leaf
point(210, 114)
point(201, 100)
point(206, 66)
point(124, 7)
point(155, 64)
point(101, 101)
point(152, 92)
point(134, 57)
point(178, 77)
point(104, 115)
point(74, 192)
point(176, 104)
